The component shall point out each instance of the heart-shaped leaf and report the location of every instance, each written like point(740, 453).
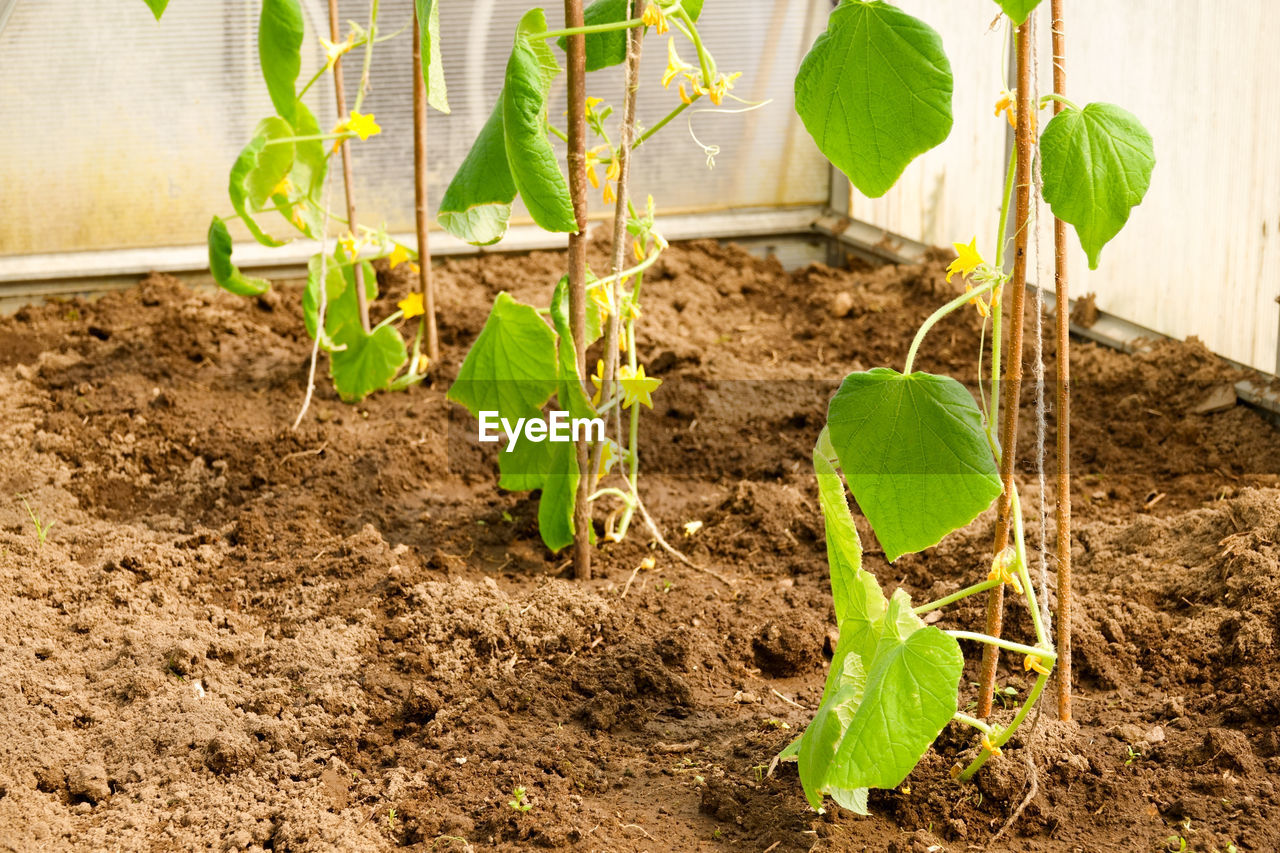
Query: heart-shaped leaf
point(157, 7)
point(553, 468)
point(915, 454)
point(224, 272)
point(477, 204)
point(367, 362)
point(280, 35)
point(875, 92)
point(259, 171)
point(511, 368)
point(1096, 165)
point(1018, 10)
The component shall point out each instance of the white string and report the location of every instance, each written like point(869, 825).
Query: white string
point(1039, 372)
point(324, 302)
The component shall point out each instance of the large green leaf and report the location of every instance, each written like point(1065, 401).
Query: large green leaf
point(428, 17)
point(859, 603)
point(875, 92)
point(225, 273)
point(610, 48)
point(342, 310)
point(300, 204)
point(553, 468)
point(512, 367)
point(534, 166)
point(258, 171)
point(157, 7)
point(908, 697)
point(569, 383)
point(280, 36)
point(1018, 10)
point(477, 204)
point(1096, 164)
point(915, 454)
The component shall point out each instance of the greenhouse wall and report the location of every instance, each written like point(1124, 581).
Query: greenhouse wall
point(1201, 254)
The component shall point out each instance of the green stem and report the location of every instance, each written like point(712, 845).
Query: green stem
point(557, 132)
point(953, 305)
point(368, 55)
point(690, 29)
point(1054, 96)
point(315, 137)
point(637, 270)
point(1047, 655)
point(955, 596)
point(985, 728)
point(1005, 735)
point(630, 24)
point(666, 120)
point(315, 78)
point(997, 307)
point(617, 493)
point(1023, 574)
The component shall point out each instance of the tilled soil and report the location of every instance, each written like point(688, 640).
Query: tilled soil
point(345, 637)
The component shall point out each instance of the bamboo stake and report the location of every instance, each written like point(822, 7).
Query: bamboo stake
point(577, 62)
point(425, 280)
point(1024, 139)
point(348, 179)
point(1063, 418)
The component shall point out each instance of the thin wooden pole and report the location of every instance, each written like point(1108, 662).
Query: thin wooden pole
point(1024, 140)
point(348, 179)
point(1063, 417)
point(425, 281)
point(577, 61)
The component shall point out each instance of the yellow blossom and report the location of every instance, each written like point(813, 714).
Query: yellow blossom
point(685, 97)
point(968, 260)
point(990, 747)
point(608, 457)
point(1002, 569)
point(1035, 663)
point(599, 294)
point(597, 379)
point(361, 124)
point(283, 187)
point(1007, 106)
point(636, 387)
point(722, 86)
point(333, 52)
point(653, 17)
point(412, 305)
point(609, 195)
point(675, 65)
point(350, 246)
point(399, 254)
point(424, 364)
point(638, 248)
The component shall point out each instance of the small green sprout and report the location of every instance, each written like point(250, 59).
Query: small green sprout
point(520, 800)
point(42, 530)
point(1134, 755)
point(391, 821)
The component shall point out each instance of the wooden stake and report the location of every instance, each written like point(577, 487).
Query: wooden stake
point(1024, 139)
point(425, 281)
point(348, 179)
point(1063, 416)
point(577, 62)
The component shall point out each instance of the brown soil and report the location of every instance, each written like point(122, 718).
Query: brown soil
point(243, 637)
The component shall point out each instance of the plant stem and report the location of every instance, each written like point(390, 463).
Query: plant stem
point(664, 121)
point(584, 30)
point(1003, 738)
point(1062, 416)
point(942, 312)
point(955, 596)
point(425, 281)
point(1059, 102)
point(368, 55)
point(1024, 574)
point(558, 133)
point(631, 80)
point(348, 178)
point(985, 728)
point(997, 302)
point(1008, 645)
point(1024, 142)
point(577, 74)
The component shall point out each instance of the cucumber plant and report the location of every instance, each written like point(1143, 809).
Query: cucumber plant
point(921, 456)
point(520, 362)
point(282, 173)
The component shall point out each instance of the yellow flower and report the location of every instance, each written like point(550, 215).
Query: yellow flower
point(631, 311)
point(638, 248)
point(675, 65)
point(597, 379)
point(636, 387)
point(1007, 106)
point(399, 254)
point(600, 296)
point(283, 187)
point(361, 124)
point(615, 170)
point(653, 17)
point(592, 103)
point(608, 457)
point(722, 87)
point(1002, 569)
point(968, 260)
point(685, 97)
point(350, 246)
point(990, 747)
point(424, 364)
point(333, 52)
point(609, 195)
point(412, 305)
point(1035, 663)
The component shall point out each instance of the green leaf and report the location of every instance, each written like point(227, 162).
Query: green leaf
point(909, 697)
point(569, 383)
point(280, 36)
point(306, 178)
point(915, 455)
point(339, 313)
point(367, 363)
point(512, 367)
point(859, 603)
point(1096, 164)
point(875, 92)
point(225, 273)
point(608, 49)
point(533, 161)
point(477, 204)
point(258, 171)
point(1018, 10)
point(157, 7)
point(553, 468)
point(428, 16)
